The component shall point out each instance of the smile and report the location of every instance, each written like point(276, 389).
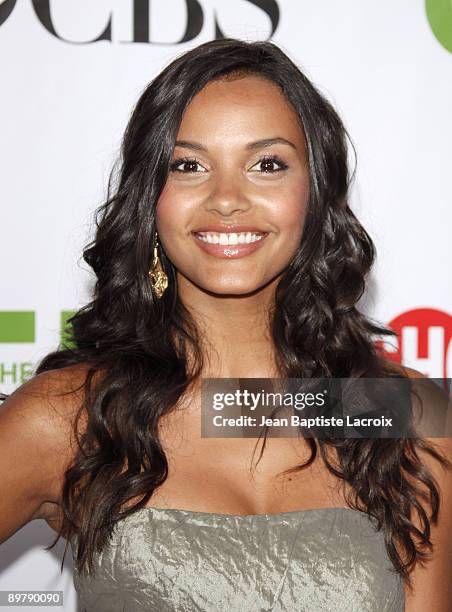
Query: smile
point(231, 245)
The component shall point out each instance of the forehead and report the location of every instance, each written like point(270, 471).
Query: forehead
point(247, 107)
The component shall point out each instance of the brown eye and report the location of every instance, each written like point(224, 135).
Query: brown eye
point(268, 164)
point(185, 165)
point(189, 166)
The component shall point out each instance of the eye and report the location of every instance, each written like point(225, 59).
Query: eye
point(188, 165)
point(268, 164)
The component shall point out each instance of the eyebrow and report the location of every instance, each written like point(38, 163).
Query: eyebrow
point(257, 144)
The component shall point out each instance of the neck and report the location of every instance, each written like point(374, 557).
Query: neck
point(234, 329)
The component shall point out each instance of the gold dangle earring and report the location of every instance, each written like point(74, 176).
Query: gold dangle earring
point(159, 280)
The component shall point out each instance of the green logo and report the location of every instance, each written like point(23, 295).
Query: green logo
point(439, 15)
point(19, 326)
point(64, 328)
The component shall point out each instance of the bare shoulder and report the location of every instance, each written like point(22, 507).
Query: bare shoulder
point(436, 424)
point(431, 404)
point(47, 403)
point(402, 369)
point(37, 443)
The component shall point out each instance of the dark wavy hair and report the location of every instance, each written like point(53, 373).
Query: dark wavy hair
point(140, 344)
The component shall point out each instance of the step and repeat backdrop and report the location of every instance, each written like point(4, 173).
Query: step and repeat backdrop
point(70, 73)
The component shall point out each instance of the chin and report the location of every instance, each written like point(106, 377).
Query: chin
point(228, 289)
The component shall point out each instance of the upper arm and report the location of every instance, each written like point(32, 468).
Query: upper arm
point(432, 582)
point(36, 445)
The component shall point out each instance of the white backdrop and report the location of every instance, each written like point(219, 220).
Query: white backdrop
point(64, 106)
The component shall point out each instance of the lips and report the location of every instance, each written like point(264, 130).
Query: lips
point(228, 229)
point(229, 251)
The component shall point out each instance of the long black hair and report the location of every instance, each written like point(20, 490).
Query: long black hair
point(138, 345)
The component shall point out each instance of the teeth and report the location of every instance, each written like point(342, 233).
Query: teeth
point(227, 239)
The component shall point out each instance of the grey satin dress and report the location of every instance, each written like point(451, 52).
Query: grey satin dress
point(167, 560)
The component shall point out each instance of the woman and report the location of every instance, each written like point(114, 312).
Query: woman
point(226, 249)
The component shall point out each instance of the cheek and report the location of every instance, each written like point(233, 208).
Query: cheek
point(289, 209)
point(172, 211)
point(167, 204)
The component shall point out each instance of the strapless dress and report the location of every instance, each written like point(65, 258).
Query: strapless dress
point(168, 560)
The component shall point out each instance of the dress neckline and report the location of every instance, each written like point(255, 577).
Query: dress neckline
point(219, 515)
point(213, 519)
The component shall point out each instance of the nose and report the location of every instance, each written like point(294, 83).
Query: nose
point(227, 197)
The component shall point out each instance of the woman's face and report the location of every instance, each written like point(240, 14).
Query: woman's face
point(239, 167)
